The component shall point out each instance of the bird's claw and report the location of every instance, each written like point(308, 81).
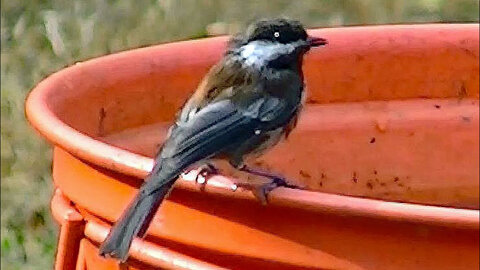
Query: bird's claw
point(204, 172)
point(261, 191)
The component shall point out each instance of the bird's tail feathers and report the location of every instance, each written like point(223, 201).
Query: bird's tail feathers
point(136, 219)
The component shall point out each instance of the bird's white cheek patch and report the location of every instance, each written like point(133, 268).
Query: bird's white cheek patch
point(248, 50)
point(253, 55)
point(258, 53)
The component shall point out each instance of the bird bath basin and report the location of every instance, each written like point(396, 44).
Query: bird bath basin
point(388, 148)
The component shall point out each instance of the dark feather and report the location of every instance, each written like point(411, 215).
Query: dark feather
point(218, 127)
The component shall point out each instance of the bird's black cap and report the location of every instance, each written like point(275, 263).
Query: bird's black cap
point(276, 30)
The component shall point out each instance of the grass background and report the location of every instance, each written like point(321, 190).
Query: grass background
point(40, 37)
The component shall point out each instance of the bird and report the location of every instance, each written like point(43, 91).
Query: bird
point(247, 102)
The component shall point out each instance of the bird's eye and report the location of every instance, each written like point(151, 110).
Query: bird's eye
point(276, 34)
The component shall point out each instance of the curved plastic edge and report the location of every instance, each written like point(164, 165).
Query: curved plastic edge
point(140, 250)
point(110, 157)
point(113, 158)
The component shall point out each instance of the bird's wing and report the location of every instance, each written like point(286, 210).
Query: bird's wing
point(219, 126)
point(218, 83)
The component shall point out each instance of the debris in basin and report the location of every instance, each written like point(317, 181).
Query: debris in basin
point(381, 124)
point(466, 118)
point(305, 174)
point(369, 185)
point(462, 93)
point(101, 117)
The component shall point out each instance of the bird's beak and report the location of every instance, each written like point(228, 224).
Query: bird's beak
point(316, 41)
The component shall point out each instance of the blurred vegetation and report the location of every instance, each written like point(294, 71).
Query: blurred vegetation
point(40, 37)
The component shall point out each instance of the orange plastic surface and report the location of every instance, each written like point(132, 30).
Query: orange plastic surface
point(72, 226)
point(392, 119)
point(77, 251)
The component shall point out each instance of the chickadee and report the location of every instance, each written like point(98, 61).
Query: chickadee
point(246, 104)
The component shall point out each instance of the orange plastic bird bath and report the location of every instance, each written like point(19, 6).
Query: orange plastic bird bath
point(388, 146)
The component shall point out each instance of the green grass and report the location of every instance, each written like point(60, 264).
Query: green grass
point(40, 37)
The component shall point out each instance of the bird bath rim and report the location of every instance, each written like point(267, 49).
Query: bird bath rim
point(49, 125)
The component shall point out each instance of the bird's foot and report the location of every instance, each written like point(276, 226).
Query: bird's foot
point(261, 191)
point(204, 172)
